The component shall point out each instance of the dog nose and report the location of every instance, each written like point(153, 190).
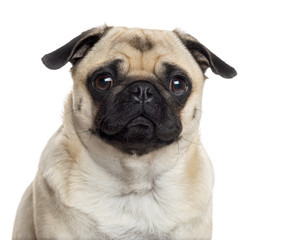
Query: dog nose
point(142, 91)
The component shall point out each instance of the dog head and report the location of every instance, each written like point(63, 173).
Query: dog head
point(134, 89)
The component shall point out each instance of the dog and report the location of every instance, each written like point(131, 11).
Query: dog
point(127, 162)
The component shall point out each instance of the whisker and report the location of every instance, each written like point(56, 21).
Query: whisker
point(190, 141)
point(72, 110)
point(197, 120)
point(194, 115)
point(91, 134)
point(78, 133)
point(196, 109)
point(178, 151)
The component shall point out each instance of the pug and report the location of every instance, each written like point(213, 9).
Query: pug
point(127, 162)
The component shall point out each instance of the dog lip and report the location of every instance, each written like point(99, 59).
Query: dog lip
point(139, 135)
point(136, 121)
point(140, 120)
point(139, 130)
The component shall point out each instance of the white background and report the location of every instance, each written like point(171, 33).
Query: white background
point(242, 126)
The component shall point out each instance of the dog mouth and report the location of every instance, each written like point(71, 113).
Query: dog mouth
point(140, 129)
point(137, 136)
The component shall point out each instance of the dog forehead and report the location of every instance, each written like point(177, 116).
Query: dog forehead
point(141, 48)
point(142, 51)
point(140, 39)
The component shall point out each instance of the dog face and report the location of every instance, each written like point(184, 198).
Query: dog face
point(134, 89)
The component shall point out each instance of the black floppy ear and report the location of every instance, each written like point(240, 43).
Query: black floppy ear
point(75, 49)
point(205, 57)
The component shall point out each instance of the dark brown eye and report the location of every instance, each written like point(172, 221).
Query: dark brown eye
point(178, 85)
point(103, 82)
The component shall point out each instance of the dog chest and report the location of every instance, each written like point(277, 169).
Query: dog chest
point(154, 214)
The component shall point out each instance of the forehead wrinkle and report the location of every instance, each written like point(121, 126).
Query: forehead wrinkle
point(137, 39)
point(142, 44)
point(142, 60)
point(113, 65)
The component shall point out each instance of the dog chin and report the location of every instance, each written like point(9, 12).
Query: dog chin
point(137, 137)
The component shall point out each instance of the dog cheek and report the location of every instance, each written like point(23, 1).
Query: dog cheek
point(84, 111)
point(170, 126)
point(190, 117)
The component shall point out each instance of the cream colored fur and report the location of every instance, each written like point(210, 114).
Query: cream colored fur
point(87, 189)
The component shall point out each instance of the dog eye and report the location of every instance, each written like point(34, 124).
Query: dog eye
point(178, 85)
point(103, 82)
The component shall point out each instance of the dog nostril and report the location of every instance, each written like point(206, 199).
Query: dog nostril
point(142, 92)
point(148, 93)
point(135, 90)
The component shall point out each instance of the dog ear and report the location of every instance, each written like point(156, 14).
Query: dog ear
point(205, 57)
point(75, 49)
